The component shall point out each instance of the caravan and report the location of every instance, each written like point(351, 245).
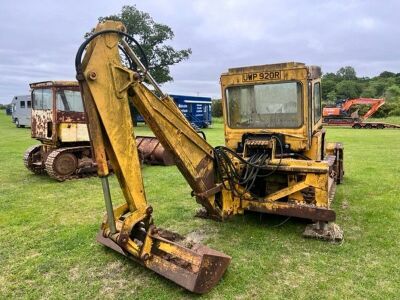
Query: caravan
point(21, 110)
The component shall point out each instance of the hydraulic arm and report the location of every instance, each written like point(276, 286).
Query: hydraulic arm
point(342, 111)
point(129, 228)
point(374, 103)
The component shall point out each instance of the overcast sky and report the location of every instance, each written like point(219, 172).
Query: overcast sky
point(39, 39)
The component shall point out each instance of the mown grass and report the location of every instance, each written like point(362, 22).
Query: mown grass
point(48, 248)
point(390, 120)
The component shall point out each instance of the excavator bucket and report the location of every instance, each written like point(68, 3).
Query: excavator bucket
point(152, 152)
point(193, 266)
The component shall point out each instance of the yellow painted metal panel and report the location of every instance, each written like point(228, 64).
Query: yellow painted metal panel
point(73, 132)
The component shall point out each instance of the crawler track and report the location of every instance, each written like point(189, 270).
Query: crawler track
point(52, 167)
point(29, 162)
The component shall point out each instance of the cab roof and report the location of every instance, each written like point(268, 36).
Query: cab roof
point(313, 71)
point(54, 83)
point(279, 66)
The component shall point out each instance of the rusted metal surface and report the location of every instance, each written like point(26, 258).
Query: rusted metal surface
point(152, 152)
point(339, 164)
point(70, 116)
point(32, 160)
point(65, 164)
point(70, 163)
point(110, 243)
point(198, 271)
point(294, 210)
point(193, 266)
point(210, 192)
point(51, 83)
point(41, 119)
point(45, 122)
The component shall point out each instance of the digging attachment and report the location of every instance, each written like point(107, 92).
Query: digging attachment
point(128, 228)
point(193, 266)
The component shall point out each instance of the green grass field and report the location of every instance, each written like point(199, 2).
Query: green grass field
point(48, 229)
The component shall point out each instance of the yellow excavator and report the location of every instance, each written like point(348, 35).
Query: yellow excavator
point(276, 159)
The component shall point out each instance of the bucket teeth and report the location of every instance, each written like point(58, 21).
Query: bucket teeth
point(193, 266)
point(109, 243)
point(324, 231)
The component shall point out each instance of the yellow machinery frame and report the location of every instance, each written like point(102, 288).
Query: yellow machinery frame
point(108, 86)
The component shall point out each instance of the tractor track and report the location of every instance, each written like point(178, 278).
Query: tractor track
point(52, 158)
point(28, 160)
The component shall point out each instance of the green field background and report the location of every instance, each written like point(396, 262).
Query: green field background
point(48, 229)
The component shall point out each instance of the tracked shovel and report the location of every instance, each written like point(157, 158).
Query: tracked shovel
point(193, 266)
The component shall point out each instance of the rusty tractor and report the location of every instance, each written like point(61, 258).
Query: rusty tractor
point(59, 123)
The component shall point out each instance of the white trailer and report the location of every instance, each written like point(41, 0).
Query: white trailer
point(21, 110)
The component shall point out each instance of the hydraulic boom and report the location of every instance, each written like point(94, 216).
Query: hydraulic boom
point(342, 111)
point(129, 228)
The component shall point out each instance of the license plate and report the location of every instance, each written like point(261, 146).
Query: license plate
point(258, 76)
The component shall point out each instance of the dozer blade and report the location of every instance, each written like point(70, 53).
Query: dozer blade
point(152, 152)
point(193, 266)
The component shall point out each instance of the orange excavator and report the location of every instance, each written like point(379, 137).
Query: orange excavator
point(341, 114)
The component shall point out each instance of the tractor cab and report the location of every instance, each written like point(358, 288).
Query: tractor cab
point(57, 113)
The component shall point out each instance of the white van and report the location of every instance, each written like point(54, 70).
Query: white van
point(21, 110)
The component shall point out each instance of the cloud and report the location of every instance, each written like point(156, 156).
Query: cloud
point(39, 42)
point(367, 23)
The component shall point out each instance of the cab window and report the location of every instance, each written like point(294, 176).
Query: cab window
point(317, 102)
point(269, 105)
point(69, 100)
point(42, 98)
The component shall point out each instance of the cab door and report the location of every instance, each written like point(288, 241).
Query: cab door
point(317, 102)
point(310, 121)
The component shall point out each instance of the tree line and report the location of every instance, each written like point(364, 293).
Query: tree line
point(345, 84)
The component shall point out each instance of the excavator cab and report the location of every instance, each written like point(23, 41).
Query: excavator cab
point(283, 99)
point(273, 114)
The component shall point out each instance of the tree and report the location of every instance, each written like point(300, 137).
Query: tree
point(328, 86)
point(331, 97)
point(369, 92)
point(216, 108)
point(348, 89)
point(330, 76)
point(347, 73)
point(152, 37)
point(387, 74)
point(379, 85)
point(392, 93)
